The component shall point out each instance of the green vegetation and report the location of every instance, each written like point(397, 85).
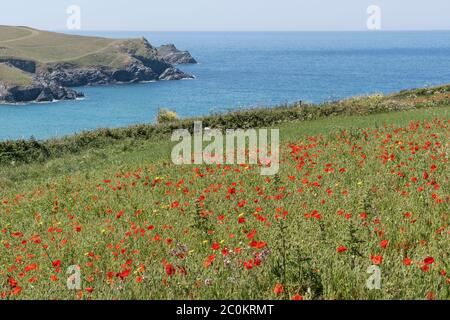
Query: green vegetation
point(166, 116)
point(362, 182)
point(14, 76)
point(47, 46)
point(35, 162)
point(8, 33)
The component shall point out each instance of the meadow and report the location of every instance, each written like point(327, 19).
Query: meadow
point(14, 75)
point(362, 182)
point(43, 46)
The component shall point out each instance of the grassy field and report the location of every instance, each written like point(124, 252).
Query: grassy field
point(12, 33)
point(13, 75)
point(352, 192)
point(44, 46)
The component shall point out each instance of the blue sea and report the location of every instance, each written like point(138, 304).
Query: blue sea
point(244, 69)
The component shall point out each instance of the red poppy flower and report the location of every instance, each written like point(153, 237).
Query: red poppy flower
point(16, 291)
point(110, 275)
point(341, 249)
point(208, 262)
point(248, 264)
point(278, 289)
point(12, 282)
point(428, 260)
point(32, 280)
point(56, 263)
point(384, 244)
point(170, 270)
point(36, 239)
point(251, 234)
point(31, 267)
point(407, 261)
point(242, 203)
point(120, 214)
point(257, 244)
point(125, 273)
point(377, 259)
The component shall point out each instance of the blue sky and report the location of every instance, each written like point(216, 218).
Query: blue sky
point(228, 15)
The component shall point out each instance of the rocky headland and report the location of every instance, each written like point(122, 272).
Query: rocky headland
point(120, 61)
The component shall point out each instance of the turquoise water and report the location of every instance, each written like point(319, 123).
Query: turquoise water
point(247, 69)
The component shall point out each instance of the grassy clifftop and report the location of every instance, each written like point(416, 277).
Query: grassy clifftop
point(40, 66)
point(44, 46)
point(15, 76)
point(50, 48)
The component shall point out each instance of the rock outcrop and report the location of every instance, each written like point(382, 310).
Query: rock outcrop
point(170, 54)
point(21, 64)
point(37, 92)
point(135, 72)
point(51, 81)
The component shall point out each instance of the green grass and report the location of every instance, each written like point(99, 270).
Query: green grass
point(14, 76)
point(47, 46)
point(10, 33)
point(130, 152)
point(142, 228)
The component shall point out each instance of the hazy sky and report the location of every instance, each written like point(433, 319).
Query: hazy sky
point(213, 15)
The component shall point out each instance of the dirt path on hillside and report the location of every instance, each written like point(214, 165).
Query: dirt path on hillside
point(34, 33)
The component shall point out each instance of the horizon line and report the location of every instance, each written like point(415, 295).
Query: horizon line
point(252, 31)
point(229, 31)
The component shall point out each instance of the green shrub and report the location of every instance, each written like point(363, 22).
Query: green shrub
point(166, 116)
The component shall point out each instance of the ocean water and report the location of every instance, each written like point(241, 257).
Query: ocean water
point(240, 69)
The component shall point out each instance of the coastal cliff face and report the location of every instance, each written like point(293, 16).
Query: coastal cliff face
point(143, 63)
point(132, 61)
point(37, 92)
point(170, 54)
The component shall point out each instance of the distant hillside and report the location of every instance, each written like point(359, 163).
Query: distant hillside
point(34, 63)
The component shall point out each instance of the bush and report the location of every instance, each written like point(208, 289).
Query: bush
point(166, 116)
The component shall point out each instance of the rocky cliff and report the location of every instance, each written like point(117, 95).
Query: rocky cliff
point(170, 54)
point(37, 92)
point(122, 61)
